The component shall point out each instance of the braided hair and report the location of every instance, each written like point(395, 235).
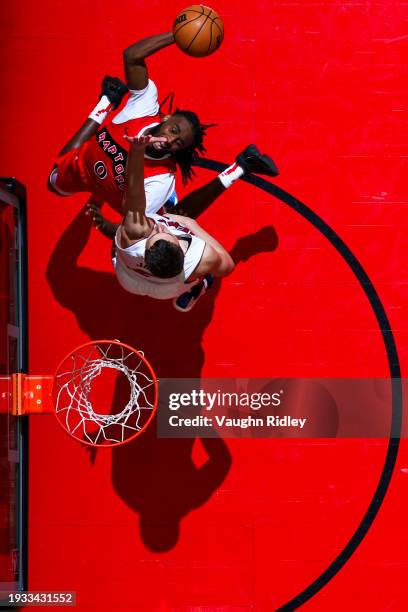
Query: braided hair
point(185, 157)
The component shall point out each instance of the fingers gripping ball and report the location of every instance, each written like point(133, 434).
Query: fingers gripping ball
point(198, 30)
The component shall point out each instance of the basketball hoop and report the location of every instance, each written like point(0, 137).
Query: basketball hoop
point(69, 393)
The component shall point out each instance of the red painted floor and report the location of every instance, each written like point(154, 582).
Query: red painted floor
point(243, 524)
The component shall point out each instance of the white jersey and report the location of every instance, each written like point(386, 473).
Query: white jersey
point(133, 275)
point(144, 103)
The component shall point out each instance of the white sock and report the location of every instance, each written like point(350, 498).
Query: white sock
point(101, 110)
point(230, 175)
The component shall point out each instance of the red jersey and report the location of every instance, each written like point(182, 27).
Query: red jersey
point(103, 159)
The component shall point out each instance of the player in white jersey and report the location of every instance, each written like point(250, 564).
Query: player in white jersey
point(160, 255)
point(132, 268)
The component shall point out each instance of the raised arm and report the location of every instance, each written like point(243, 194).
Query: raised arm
point(134, 57)
point(135, 224)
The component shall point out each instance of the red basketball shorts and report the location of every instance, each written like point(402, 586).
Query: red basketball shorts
point(70, 176)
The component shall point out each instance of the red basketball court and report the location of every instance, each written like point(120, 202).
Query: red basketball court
point(217, 524)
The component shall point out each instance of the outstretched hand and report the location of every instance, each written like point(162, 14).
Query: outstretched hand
point(93, 211)
point(141, 142)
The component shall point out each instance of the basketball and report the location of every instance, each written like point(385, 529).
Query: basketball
point(198, 30)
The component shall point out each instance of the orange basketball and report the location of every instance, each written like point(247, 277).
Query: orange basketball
point(198, 30)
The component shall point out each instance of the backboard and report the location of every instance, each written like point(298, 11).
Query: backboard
point(13, 358)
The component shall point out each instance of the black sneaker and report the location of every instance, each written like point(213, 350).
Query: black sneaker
point(114, 89)
point(187, 300)
point(251, 160)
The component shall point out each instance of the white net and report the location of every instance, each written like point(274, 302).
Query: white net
point(117, 420)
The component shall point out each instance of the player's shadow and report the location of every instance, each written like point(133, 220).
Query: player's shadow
point(157, 478)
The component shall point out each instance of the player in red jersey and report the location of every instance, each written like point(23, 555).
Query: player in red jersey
point(94, 160)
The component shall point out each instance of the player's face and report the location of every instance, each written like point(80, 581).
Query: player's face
point(160, 232)
point(178, 132)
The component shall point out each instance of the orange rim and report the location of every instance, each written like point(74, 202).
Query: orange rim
point(154, 380)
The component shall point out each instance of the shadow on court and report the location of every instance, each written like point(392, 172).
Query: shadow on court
point(157, 478)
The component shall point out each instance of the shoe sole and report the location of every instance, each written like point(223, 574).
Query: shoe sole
point(253, 151)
